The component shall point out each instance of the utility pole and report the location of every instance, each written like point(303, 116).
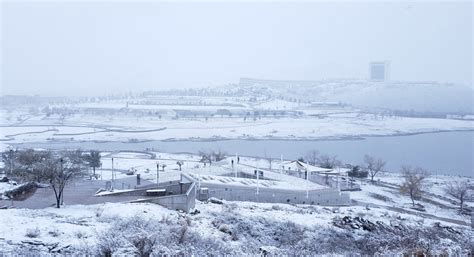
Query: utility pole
point(61, 193)
point(258, 172)
point(157, 174)
point(11, 168)
point(281, 163)
point(11, 162)
point(337, 178)
point(307, 177)
point(113, 181)
point(235, 169)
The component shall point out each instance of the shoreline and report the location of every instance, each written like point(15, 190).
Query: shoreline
point(217, 139)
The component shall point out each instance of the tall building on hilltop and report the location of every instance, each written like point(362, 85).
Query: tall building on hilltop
point(379, 71)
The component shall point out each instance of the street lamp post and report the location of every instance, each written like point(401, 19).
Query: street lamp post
point(307, 178)
point(61, 196)
point(258, 172)
point(157, 174)
point(11, 162)
point(281, 163)
point(235, 170)
point(113, 172)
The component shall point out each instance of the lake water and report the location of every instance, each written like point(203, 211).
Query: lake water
point(441, 153)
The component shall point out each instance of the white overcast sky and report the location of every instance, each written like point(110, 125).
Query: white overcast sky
point(87, 47)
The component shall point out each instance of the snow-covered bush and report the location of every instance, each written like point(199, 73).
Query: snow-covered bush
point(323, 240)
point(54, 233)
point(33, 232)
point(276, 207)
point(80, 234)
point(98, 212)
point(136, 234)
point(399, 238)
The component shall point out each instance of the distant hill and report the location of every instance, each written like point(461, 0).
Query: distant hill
point(401, 96)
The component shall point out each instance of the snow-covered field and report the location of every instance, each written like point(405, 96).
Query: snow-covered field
point(125, 129)
point(255, 112)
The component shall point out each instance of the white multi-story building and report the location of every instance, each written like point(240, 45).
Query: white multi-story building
point(379, 71)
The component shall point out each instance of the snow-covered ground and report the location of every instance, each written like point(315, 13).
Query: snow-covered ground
point(255, 112)
point(238, 228)
point(6, 186)
point(125, 129)
point(231, 228)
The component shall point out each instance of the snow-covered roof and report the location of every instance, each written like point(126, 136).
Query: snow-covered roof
point(302, 167)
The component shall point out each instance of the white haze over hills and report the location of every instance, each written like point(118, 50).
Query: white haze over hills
point(425, 97)
point(402, 96)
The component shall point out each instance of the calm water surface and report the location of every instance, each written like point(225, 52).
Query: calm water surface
point(441, 153)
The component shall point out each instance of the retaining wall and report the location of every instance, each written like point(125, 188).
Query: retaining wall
point(327, 197)
point(184, 202)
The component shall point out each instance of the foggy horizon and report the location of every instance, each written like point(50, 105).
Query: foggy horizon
point(96, 48)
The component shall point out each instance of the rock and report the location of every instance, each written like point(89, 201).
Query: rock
point(194, 212)
point(225, 228)
point(268, 250)
point(58, 248)
point(215, 200)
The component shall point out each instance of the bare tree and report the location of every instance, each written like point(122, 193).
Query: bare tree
point(210, 156)
point(312, 157)
point(373, 166)
point(460, 191)
point(71, 166)
point(219, 155)
point(206, 157)
point(180, 163)
point(56, 169)
point(30, 165)
point(413, 183)
point(328, 162)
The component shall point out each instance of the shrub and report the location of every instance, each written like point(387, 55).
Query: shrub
point(136, 233)
point(54, 233)
point(99, 211)
point(357, 172)
point(380, 197)
point(33, 232)
point(80, 234)
point(225, 228)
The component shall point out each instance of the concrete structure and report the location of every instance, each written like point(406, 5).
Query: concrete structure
point(287, 189)
point(179, 195)
point(327, 197)
point(184, 202)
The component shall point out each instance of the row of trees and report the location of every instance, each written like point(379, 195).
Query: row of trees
point(56, 169)
point(371, 166)
point(413, 177)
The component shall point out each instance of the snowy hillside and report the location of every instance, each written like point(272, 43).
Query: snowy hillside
point(236, 228)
